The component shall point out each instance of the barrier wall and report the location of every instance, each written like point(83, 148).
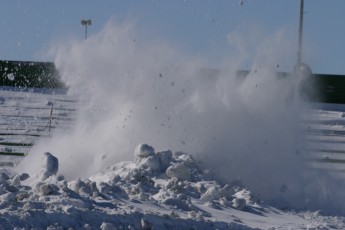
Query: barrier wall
point(331, 88)
point(29, 74)
point(325, 88)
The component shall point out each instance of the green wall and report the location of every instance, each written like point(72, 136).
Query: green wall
point(29, 74)
point(326, 88)
point(330, 87)
point(318, 88)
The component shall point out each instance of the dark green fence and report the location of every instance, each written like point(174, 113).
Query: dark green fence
point(29, 74)
point(318, 88)
point(331, 88)
point(326, 88)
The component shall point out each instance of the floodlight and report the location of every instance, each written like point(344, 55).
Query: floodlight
point(86, 22)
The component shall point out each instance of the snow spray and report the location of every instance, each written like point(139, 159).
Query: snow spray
point(133, 89)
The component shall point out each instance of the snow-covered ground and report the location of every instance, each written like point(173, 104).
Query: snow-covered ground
point(153, 190)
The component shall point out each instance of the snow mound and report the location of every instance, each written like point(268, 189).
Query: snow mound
point(158, 190)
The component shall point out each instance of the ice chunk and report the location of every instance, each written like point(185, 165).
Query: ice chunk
point(112, 190)
point(180, 171)
point(211, 194)
point(8, 198)
point(85, 187)
point(145, 224)
point(165, 158)
point(227, 191)
point(239, 203)
point(151, 163)
point(4, 176)
point(107, 226)
point(50, 166)
point(24, 176)
point(45, 189)
point(177, 203)
point(143, 151)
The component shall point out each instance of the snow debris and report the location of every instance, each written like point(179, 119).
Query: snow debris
point(24, 176)
point(211, 194)
point(107, 226)
point(165, 157)
point(7, 198)
point(45, 189)
point(228, 191)
point(112, 190)
point(151, 163)
point(145, 224)
point(143, 151)
point(4, 176)
point(84, 187)
point(50, 166)
point(179, 171)
point(239, 203)
point(162, 190)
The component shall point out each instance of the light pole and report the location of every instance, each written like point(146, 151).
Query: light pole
point(85, 23)
point(300, 30)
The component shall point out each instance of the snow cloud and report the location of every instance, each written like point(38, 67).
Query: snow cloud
point(134, 89)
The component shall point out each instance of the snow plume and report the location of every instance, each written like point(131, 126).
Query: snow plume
point(135, 90)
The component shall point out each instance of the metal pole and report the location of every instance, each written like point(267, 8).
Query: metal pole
point(300, 30)
point(86, 23)
point(85, 31)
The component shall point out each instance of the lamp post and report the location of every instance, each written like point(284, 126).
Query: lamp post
point(85, 23)
point(300, 30)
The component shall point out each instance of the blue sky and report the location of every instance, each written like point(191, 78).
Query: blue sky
point(199, 27)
